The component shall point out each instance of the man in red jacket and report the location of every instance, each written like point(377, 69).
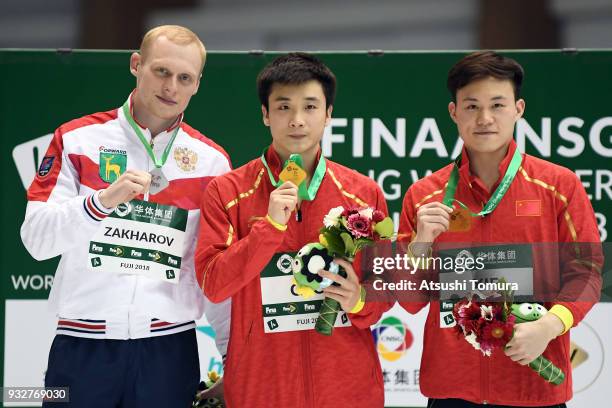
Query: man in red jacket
point(252, 224)
point(524, 200)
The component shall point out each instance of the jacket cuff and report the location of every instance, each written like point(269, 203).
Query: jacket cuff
point(361, 302)
point(269, 233)
point(565, 315)
point(275, 224)
point(94, 208)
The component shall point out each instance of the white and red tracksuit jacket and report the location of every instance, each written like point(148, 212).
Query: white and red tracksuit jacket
point(294, 369)
point(63, 214)
point(545, 204)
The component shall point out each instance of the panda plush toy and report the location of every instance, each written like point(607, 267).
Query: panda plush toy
point(307, 263)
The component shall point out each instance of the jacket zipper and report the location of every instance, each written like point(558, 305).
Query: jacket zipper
point(308, 382)
point(486, 234)
point(307, 373)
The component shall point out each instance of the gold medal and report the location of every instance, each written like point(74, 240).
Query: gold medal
point(293, 173)
point(460, 220)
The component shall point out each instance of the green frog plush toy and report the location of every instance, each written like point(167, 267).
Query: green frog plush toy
point(527, 312)
point(530, 312)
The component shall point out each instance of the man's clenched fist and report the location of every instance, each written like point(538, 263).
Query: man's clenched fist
point(129, 185)
point(282, 202)
point(432, 220)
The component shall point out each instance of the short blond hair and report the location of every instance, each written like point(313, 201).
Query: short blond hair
point(177, 34)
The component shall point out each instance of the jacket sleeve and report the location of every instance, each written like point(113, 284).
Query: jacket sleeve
point(377, 305)
point(406, 232)
point(58, 218)
point(580, 252)
point(224, 266)
point(218, 315)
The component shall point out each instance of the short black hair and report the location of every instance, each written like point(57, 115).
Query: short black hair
point(483, 64)
point(296, 68)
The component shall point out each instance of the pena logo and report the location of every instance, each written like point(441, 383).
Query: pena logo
point(393, 338)
point(112, 163)
point(284, 263)
point(123, 209)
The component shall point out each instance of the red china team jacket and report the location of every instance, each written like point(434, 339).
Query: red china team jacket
point(295, 369)
point(545, 203)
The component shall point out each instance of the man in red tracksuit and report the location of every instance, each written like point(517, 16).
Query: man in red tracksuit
point(251, 222)
point(545, 203)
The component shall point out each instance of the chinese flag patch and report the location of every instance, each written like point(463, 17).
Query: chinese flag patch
point(528, 208)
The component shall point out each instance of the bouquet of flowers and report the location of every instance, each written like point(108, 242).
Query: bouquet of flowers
point(345, 232)
point(490, 325)
point(210, 392)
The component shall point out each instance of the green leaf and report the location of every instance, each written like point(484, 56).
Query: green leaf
point(349, 244)
point(384, 228)
point(361, 243)
point(344, 223)
point(335, 245)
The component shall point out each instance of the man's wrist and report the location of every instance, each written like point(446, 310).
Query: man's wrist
point(417, 249)
point(98, 199)
point(553, 325)
point(360, 302)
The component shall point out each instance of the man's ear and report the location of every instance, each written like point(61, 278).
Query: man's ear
point(520, 108)
point(135, 60)
point(328, 114)
point(452, 111)
point(265, 116)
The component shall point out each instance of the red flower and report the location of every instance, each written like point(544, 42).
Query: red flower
point(350, 211)
point(466, 311)
point(496, 334)
point(378, 216)
point(468, 317)
point(359, 226)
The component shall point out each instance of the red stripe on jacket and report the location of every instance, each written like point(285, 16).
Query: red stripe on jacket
point(161, 324)
point(82, 325)
point(42, 186)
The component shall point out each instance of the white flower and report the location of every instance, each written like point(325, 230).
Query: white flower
point(367, 212)
point(471, 338)
point(486, 312)
point(332, 219)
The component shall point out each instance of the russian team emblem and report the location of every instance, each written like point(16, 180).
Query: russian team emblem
point(186, 159)
point(112, 164)
point(45, 165)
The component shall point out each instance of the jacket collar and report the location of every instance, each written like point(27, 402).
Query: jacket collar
point(275, 163)
point(471, 179)
point(145, 131)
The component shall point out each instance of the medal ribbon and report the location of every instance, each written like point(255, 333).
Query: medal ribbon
point(498, 194)
point(309, 192)
point(157, 162)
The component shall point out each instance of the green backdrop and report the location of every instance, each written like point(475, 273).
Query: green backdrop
point(386, 105)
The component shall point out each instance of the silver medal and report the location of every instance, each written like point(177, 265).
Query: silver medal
point(158, 181)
